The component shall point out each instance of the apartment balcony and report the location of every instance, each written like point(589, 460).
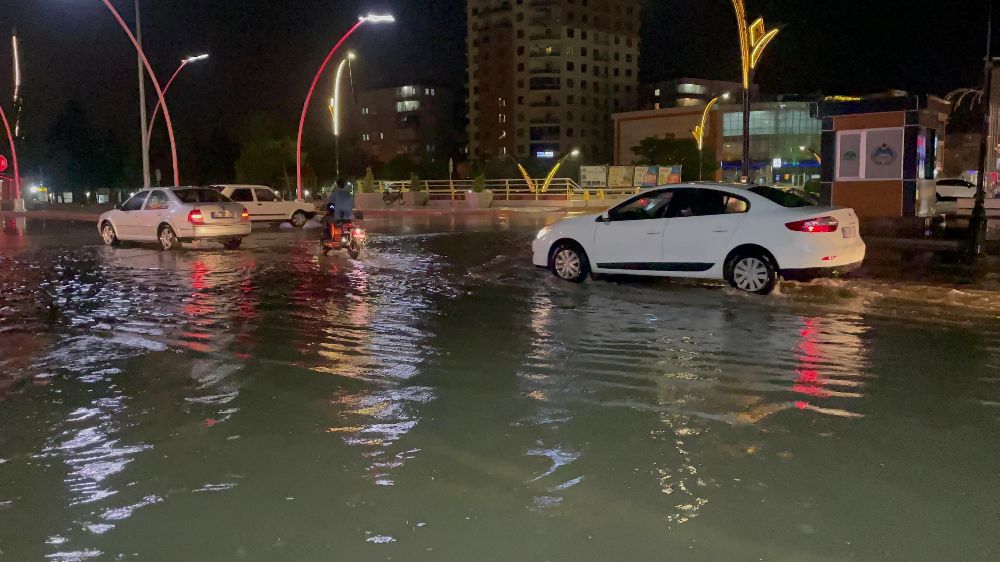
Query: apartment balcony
point(547, 69)
point(547, 52)
point(547, 35)
point(544, 103)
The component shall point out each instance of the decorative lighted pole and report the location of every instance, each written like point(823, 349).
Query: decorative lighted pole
point(813, 152)
point(555, 169)
point(156, 110)
point(156, 84)
point(754, 38)
point(524, 172)
point(699, 130)
point(335, 106)
point(18, 202)
point(305, 106)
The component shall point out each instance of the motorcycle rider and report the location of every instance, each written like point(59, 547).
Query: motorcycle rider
point(340, 210)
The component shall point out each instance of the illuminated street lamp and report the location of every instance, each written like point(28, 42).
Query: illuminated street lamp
point(18, 202)
point(552, 173)
point(370, 18)
point(156, 84)
point(754, 38)
point(156, 110)
point(335, 105)
point(813, 152)
point(699, 130)
point(523, 170)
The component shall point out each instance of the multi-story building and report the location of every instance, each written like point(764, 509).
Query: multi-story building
point(546, 75)
point(414, 120)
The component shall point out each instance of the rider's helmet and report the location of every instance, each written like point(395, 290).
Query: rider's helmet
point(331, 207)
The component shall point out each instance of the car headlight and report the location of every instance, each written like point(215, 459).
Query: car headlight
point(543, 233)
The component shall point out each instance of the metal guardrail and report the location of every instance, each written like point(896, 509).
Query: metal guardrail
point(511, 189)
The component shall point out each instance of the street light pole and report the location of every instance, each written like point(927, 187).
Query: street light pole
point(552, 173)
point(305, 105)
point(13, 156)
point(156, 85)
point(699, 130)
point(142, 101)
point(977, 224)
point(754, 38)
point(166, 88)
point(335, 108)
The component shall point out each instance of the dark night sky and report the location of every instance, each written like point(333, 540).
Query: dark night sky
point(265, 51)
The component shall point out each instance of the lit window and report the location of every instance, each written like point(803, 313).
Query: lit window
point(381, 136)
point(407, 91)
point(407, 105)
point(656, 92)
point(690, 89)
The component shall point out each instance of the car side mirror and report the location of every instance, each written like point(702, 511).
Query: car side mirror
point(118, 206)
point(605, 217)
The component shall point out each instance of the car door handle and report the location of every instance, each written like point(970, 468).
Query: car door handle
point(654, 232)
point(720, 230)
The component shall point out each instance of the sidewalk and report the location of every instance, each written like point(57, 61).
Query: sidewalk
point(83, 215)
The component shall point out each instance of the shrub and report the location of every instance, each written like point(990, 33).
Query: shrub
point(416, 184)
point(479, 184)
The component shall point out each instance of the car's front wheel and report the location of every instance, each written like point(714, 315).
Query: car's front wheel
point(108, 234)
point(168, 238)
point(298, 219)
point(753, 272)
point(569, 262)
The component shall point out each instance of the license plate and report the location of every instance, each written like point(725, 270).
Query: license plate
point(222, 215)
point(850, 231)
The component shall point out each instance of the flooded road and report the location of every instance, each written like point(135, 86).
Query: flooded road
point(444, 400)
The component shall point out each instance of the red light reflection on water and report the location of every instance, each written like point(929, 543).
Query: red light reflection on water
point(809, 381)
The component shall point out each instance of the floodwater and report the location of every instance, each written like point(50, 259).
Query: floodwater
point(444, 400)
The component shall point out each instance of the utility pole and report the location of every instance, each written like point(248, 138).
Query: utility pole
point(977, 224)
point(142, 104)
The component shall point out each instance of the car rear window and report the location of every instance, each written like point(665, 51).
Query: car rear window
point(201, 195)
point(785, 197)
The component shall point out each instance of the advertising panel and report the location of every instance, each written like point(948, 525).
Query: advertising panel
point(593, 176)
point(669, 175)
point(645, 176)
point(620, 176)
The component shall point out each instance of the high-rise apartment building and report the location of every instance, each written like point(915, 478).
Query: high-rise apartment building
point(546, 75)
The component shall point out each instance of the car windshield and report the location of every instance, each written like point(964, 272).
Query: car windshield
point(201, 195)
point(785, 197)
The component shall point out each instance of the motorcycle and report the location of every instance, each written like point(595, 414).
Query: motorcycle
point(344, 234)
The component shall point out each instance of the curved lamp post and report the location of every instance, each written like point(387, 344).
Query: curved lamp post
point(156, 110)
point(156, 84)
point(813, 152)
point(754, 38)
point(524, 172)
point(13, 157)
point(555, 169)
point(335, 106)
point(699, 130)
point(305, 106)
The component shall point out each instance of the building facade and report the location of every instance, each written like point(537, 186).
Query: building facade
point(546, 75)
point(688, 92)
point(784, 138)
point(413, 120)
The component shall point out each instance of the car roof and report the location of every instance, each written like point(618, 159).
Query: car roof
point(239, 185)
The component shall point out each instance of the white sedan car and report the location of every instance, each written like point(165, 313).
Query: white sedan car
point(950, 189)
point(172, 215)
point(266, 205)
point(747, 236)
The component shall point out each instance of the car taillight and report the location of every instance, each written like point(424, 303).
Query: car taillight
point(821, 224)
point(359, 232)
point(195, 217)
point(245, 216)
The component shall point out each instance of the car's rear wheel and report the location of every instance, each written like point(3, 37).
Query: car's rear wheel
point(569, 262)
point(753, 272)
point(108, 234)
point(298, 219)
point(233, 244)
point(168, 238)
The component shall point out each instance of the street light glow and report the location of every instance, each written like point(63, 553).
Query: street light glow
point(351, 55)
point(378, 18)
point(725, 96)
point(575, 153)
point(195, 58)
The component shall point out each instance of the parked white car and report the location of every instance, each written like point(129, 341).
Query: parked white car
point(745, 236)
point(172, 215)
point(955, 188)
point(266, 205)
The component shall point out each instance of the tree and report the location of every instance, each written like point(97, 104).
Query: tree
point(266, 157)
point(399, 168)
point(654, 151)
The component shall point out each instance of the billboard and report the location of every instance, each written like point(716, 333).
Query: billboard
point(669, 175)
point(645, 176)
point(620, 176)
point(593, 176)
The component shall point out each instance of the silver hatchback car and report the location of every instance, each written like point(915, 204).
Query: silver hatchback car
point(172, 215)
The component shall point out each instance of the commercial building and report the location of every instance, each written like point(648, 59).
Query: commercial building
point(413, 120)
point(784, 138)
point(545, 75)
point(687, 92)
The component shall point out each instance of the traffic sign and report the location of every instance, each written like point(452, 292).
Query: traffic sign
point(3, 162)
